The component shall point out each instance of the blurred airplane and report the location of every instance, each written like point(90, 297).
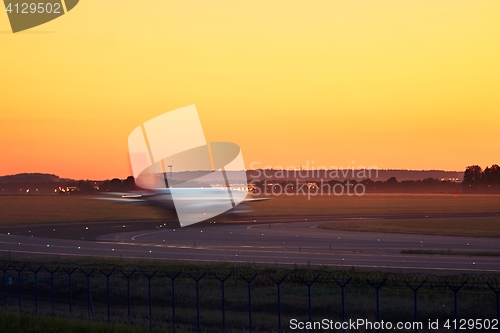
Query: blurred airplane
point(210, 201)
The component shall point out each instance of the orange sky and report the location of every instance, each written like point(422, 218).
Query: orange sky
point(387, 83)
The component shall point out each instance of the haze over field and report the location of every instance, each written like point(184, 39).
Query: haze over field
point(277, 174)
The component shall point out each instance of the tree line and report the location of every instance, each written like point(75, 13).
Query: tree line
point(477, 180)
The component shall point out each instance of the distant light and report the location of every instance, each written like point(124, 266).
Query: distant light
point(48, 245)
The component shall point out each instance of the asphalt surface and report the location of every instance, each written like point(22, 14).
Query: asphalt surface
point(276, 240)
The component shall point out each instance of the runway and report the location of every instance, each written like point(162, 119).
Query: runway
point(284, 241)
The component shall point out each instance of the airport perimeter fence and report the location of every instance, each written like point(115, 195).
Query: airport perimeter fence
point(226, 298)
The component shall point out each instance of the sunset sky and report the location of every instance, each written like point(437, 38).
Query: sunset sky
point(394, 84)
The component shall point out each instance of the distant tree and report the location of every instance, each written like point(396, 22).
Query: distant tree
point(113, 185)
point(367, 182)
point(491, 175)
point(496, 171)
point(392, 181)
point(86, 186)
point(129, 183)
point(472, 175)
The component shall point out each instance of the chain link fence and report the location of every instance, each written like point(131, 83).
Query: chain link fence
point(227, 298)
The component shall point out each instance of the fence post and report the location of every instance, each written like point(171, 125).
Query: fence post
point(128, 291)
point(172, 278)
point(249, 281)
point(377, 288)
point(278, 283)
point(150, 276)
point(309, 284)
point(5, 288)
point(497, 292)
point(455, 294)
point(342, 286)
point(20, 297)
point(107, 287)
point(70, 290)
point(222, 281)
point(51, 272)
point(90, 307)
point(197, 280)
point(415, 309)
point(35, 272)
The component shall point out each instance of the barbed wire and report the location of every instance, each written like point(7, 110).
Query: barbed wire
point(264, 276)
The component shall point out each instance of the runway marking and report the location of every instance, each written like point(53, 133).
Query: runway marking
point(387, 252)
point(395, 251)
point(144, 234)
point(420, 258)
point(159, 244)
point(256, 262)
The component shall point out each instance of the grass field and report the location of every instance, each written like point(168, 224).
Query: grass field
point(377, 204)
point(15, 323)
point(475, 227)
point(53, 209)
